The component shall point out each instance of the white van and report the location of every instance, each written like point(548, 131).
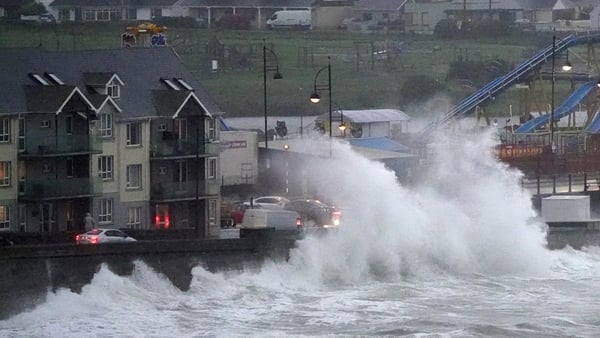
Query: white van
point(279, 219)
point(292, 19)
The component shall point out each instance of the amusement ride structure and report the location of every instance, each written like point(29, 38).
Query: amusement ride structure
point(540, 145)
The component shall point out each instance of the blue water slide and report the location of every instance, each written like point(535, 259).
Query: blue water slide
point(594, 126)
point(223, 125)
point(563, 110)
point(501, 83)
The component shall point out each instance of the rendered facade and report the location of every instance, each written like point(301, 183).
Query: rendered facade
point(125, 134)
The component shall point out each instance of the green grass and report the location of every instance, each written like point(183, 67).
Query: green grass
point(355, 85)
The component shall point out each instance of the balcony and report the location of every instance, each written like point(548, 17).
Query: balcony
point(168, 149)
point(60, 188)
point(183, 190)
point(60, 146)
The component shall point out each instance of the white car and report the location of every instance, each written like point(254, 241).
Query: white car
point(96, 236)
point(268, 202)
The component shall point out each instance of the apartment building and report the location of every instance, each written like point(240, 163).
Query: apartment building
point(126, 134)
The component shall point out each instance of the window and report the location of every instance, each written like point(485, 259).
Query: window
point(105, 128)
point(69, 125)
point(113, 90)
point(211, 129)
point(212, 167)
point(45, 124)
point(89, 15)
point(134, 220)
point(4, 174)
point(70, 167)
point(106, 210)
point(162, 170)
point(21, 134)
point(4, 217)
point(105, 167)
point(133, 134)
point(4, 130)
point(64, 15)
point(181, 171)
point(162, 127)
point(212, 212)
point(134, 176)
point(46, 168)
point(181, 128)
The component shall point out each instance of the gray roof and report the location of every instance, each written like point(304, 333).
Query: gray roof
point(391, 5)
point(248, 3)
point(140, 69)
point(113, 3)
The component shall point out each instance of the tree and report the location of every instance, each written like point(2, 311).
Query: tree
point(419, 88)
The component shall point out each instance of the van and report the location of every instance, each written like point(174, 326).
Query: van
point(293, 19)
point(278, 219)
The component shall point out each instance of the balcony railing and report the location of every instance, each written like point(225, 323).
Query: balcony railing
point(183, 148)
point(63, 144)
point(184, 190)
point(60, 188)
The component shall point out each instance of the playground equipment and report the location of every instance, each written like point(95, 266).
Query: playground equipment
point(144, 35)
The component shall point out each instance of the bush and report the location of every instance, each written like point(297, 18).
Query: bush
point(477, 72)
point(446, 29)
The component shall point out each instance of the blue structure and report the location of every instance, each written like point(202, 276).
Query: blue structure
point(565, 109)
point(499, 84)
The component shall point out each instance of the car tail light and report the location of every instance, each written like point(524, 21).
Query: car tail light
point(299, 223)
point(77, 238)
point(167, 221)
point(93, 239)
point(157, 221)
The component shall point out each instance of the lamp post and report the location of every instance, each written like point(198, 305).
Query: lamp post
point(268, 65)
point(316, 98)
point(552, 93)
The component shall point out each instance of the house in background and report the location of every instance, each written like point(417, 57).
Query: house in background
point(101, 131)
point(115, 10)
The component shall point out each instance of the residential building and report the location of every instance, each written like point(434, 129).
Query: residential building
point(108, 132)
point(115, 10)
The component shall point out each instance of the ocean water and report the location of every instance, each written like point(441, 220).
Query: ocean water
point(461, 254)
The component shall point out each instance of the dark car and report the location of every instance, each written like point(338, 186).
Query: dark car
point(315, 212)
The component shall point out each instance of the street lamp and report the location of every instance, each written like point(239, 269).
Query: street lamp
point(566, 67)
point(268, 66)
point(316, 98)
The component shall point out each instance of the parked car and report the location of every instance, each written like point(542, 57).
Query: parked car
point(315, 212)
point(268, 202)
point(97, 236)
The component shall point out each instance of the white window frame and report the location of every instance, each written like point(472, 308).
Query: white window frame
point(132, 177)
point(212, 167)
point(105, 167)
point(132, 140)
point(211, 129)
point(4, 217)
point(105, 125)
point(5, 168)
point(4, 130)
point(134, 218)
point(212, 212)
point(105, 211)
point(113, 90)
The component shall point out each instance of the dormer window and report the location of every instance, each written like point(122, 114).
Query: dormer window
point(184, 84)
point(113, 90)
point(39, 79)
point(170, 84)
point(55, 79)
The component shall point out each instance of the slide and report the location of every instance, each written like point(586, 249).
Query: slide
point(499, 84)
point(594, 126)
point(563, 110)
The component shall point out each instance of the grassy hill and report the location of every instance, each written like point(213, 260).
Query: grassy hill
point(369, 70)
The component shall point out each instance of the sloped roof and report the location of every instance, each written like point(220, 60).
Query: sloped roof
point(140, 69)
point(113, 3)
point(391, 5)
point(247, 3)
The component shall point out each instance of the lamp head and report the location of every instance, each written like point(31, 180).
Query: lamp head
point(342, 127)
point(567, 66)
point(598, 84)
point(277, 76)
point(315, 98)
point(286, 146)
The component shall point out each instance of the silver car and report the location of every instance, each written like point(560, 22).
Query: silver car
point(97, 236)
